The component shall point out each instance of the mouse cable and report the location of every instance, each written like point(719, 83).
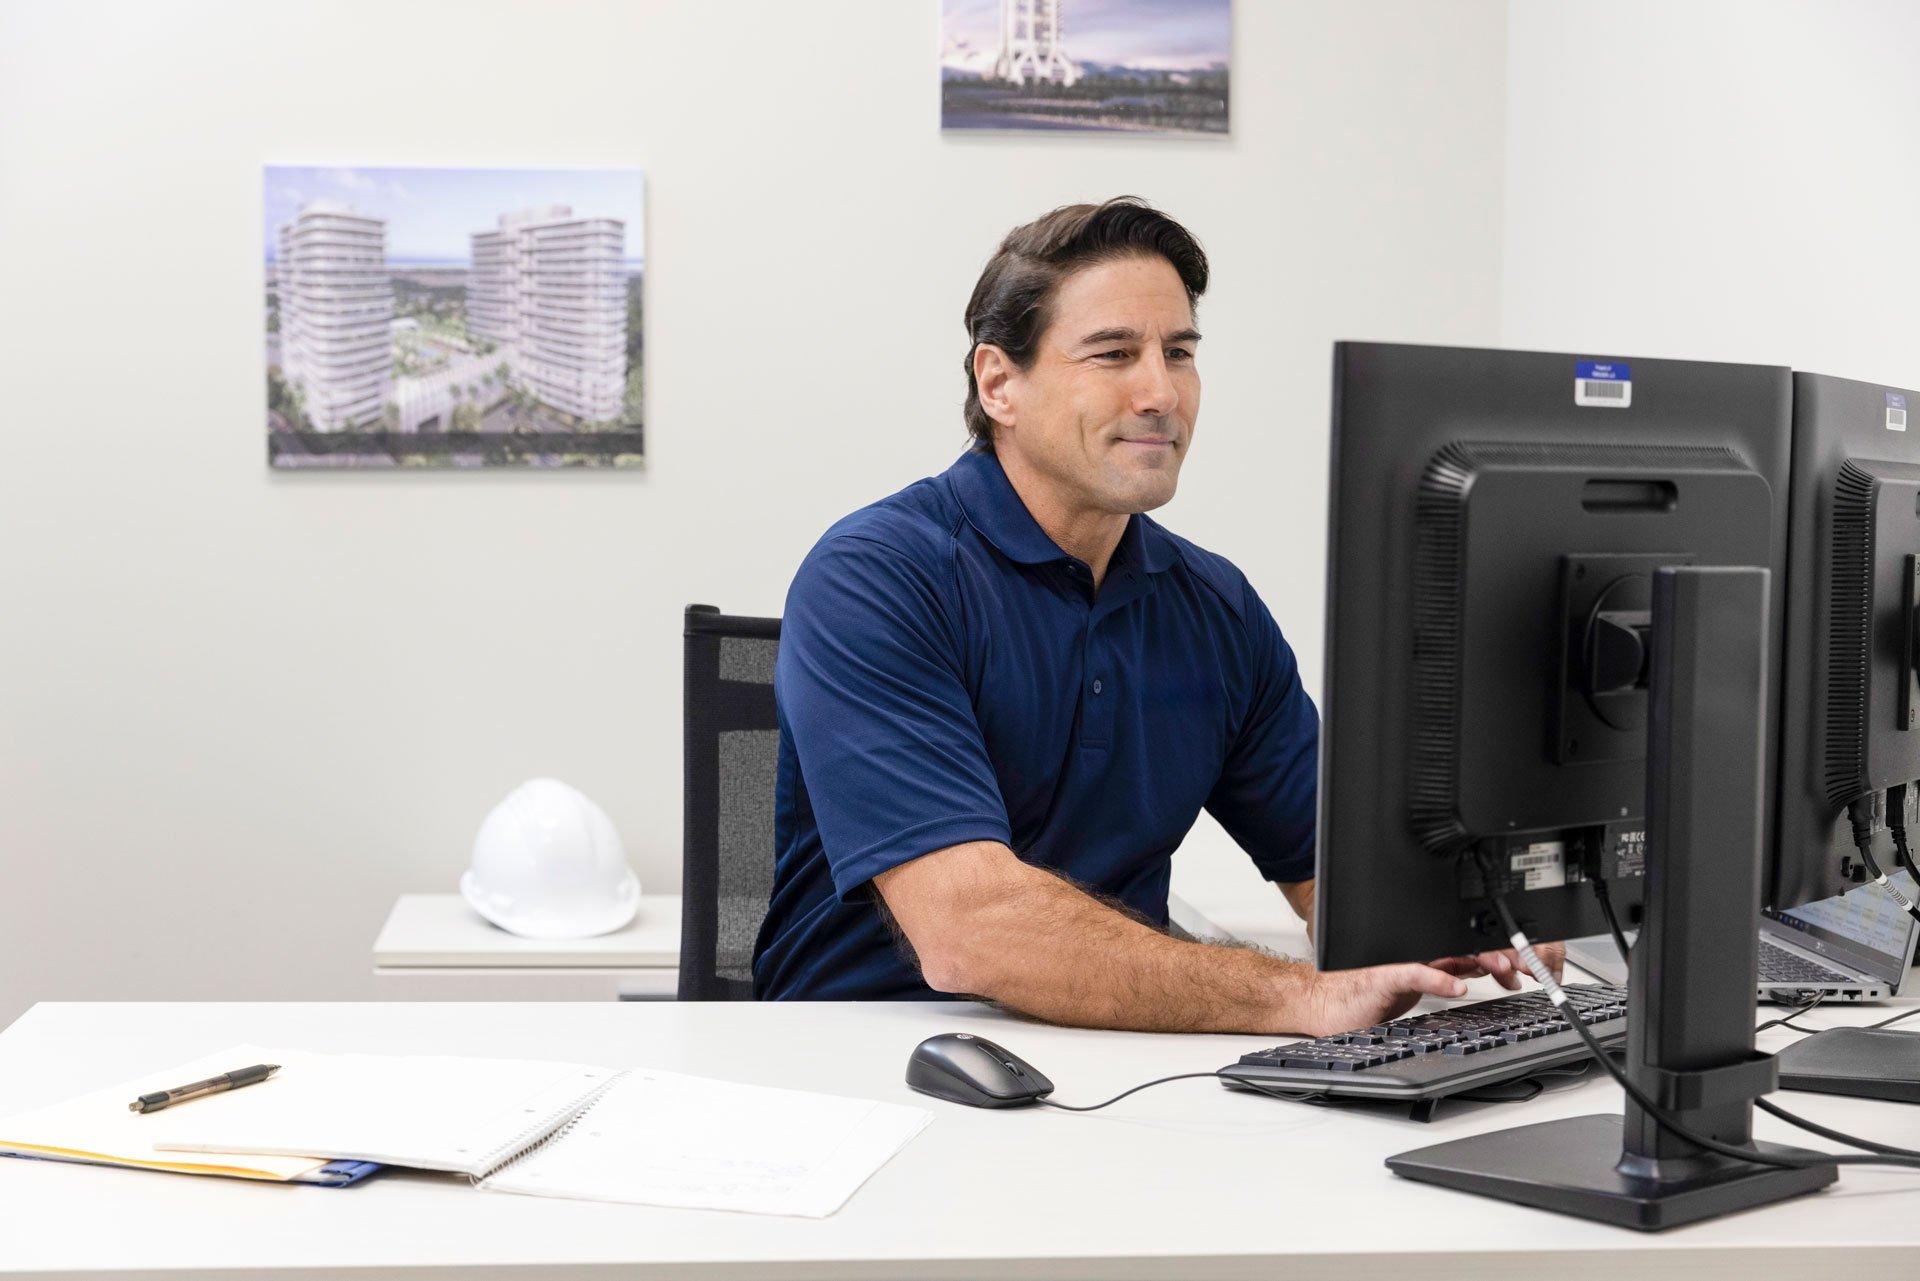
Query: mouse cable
point(1860, 817)
point(1291, 1096)
point(1544, 977)
point(1613, 921)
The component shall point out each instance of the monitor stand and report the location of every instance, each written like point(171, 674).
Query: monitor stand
point(1691, 985)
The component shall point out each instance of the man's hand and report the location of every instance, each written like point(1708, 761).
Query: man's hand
point(1345, 1000)
point(1504, 965)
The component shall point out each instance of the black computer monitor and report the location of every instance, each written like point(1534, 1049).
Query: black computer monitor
point(1553, 660)
point(1497, 517)
point(1851, 719)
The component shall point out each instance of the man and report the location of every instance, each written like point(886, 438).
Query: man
point(1005, 693)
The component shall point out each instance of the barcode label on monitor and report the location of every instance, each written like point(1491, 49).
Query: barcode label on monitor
point(1540, 865)
point(1896, 411)
point(1605, 383)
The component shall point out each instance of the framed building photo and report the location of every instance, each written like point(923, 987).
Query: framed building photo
point(1103, 66)
point(454, 317)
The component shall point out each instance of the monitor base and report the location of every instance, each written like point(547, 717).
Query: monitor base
point(1572, 1167)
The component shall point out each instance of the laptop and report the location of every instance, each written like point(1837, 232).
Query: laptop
point(1852, 947)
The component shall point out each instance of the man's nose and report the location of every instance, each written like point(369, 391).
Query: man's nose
point(1153, 390)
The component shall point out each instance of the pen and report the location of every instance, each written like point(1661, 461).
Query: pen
point(212, 1085)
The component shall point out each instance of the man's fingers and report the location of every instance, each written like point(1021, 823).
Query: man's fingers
point(1427, 980)
point(1465, 967)
point(1554, 954)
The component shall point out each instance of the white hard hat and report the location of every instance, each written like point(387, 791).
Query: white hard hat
point(547, 864)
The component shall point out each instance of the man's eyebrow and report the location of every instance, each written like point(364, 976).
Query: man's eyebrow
point(1133, 335)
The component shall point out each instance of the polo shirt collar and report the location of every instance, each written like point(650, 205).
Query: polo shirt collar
point(993, 507)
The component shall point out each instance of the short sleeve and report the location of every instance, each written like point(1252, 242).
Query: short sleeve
point(872, 694)
point(1267, 793)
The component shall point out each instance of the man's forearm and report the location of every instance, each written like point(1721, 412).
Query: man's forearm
point(1047, 948)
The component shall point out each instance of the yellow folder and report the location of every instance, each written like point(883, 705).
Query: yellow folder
point(97, 1128)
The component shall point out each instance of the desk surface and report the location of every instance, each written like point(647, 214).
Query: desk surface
point(1184, 1180)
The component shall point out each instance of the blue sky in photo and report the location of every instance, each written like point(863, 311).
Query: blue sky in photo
point(432, 213)
point(1165, 34)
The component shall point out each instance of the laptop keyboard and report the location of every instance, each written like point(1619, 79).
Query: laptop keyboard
point(1777, 965)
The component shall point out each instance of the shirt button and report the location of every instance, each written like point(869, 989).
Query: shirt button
point(1096, 687)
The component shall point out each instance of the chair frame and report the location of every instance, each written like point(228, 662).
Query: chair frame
point(728, 706)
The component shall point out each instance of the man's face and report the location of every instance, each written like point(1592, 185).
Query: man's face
point(1106, 413)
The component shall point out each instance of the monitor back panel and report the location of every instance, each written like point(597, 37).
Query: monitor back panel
point(1851, 716)
point(1482, 502)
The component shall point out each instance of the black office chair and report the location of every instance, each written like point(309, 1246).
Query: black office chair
point(732, 751)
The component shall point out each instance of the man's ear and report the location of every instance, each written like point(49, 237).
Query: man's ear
point(992, 371)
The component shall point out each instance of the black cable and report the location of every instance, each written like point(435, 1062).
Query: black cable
point(1860, 817)
point(1786, 1020)
point(1578, 1023)
point(1897, 827)
point(1095, 1107)
point(1831, 1135)
point(1484, 1095)
point(1613, 922)
point(1895, 1019)
point(1537, 1080)
point(1291, 1096)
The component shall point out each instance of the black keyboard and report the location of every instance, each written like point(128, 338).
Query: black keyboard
point(1440, 1052)
point(1777, 965)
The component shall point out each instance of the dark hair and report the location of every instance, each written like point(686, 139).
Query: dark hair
point(1011, 302)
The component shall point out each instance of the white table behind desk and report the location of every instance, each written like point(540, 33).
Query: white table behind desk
point(1186, 1180)
point(436, 948)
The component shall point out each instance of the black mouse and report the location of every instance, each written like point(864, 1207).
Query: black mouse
point(963, 1068)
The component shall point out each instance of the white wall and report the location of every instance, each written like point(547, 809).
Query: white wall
point(240, 712)
point(1726, 181)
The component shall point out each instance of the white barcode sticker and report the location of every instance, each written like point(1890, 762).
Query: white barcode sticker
point(1599, 382)
point(1541, 865)
point(1896, 411)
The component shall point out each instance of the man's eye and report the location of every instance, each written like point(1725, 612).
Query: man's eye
point(1179, 353)
point(1118, 352)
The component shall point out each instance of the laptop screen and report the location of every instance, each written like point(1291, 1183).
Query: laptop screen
point(1865, 919)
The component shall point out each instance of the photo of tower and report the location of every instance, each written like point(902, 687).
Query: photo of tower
point(1103, 66)
point(453, 317)
point(336, 313)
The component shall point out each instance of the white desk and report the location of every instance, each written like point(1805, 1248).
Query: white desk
point(1186, 1180)
point(436, 948)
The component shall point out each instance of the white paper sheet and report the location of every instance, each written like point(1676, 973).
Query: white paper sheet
point(660, 1138)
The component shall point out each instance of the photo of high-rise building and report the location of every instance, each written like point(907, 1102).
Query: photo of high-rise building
point(1101, 66)
point(453, 317)
point(548, 285)
point(336, 314)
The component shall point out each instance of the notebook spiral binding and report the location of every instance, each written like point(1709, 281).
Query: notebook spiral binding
point(537, 1136)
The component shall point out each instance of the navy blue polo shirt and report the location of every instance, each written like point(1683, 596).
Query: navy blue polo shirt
point(947, 674)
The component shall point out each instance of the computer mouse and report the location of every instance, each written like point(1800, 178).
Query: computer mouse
point(963, 1068)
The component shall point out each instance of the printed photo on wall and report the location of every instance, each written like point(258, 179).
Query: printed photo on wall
point(1107, 66)
point(453, 317)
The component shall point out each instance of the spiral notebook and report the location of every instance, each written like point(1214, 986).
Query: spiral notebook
point(557, 1129)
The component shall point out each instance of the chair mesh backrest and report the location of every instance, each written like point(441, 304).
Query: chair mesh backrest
point(732, 748)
